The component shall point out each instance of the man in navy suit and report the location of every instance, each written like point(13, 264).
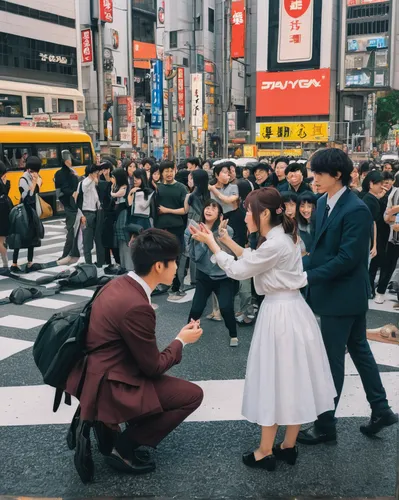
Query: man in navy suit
point(339, 289)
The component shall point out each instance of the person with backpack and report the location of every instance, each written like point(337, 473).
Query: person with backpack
point(29, 187)
point(126, 381)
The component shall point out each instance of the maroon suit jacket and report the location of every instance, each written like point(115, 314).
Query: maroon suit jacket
point(118, 386)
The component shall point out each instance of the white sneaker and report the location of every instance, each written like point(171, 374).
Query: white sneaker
point(379, 298)
point(234, 342)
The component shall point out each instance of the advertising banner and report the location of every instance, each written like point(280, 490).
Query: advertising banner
point(157, 94)
point(352, 3)
point(277, 152)
point(294, 34)
point(293, 132)
point(87, 46)
point(106, 11)
point(238, 29)
point(161, 13)
point(196, 100)
point(181, 93)
point(301, 93)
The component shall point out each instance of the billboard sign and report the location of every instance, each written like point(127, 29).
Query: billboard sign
point(293, 132)
point(352, 3)
point(294, 34)
point(107, 11)
point(87, 46)
point(238, 29)
point(157, 95)
point(181, 93)
point(299, 93)
point(196, 100)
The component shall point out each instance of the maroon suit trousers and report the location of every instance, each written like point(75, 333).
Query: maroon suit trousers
point(179, 398)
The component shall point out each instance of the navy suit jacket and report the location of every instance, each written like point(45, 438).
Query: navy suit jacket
point(337, 266)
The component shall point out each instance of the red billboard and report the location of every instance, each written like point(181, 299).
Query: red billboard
point(238, 29)
point(293, 93)
point(181, 93)
point(87, 46)
point(106, 11)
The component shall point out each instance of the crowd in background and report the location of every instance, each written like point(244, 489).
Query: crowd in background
point(117, 199)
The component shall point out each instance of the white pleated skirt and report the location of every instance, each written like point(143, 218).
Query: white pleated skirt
point(288, 379)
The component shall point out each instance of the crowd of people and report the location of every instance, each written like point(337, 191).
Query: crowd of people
point(272, 238)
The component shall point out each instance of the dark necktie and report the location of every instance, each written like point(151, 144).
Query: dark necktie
point(325, 216)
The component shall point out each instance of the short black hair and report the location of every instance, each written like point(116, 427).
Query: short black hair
point(151, 246)
point(332, 161)
point(306, 197)
point(283, 159)
point(220, 167)
point(294, 167)
point(364, 167)
point(194, 161)
point(33, 163)
point(147, 160)
point(374, 177)
point(387, 176)
point(120, 177)
point(165, 165)
point(289, 196)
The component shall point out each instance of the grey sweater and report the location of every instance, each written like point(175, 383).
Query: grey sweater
point(201, 255)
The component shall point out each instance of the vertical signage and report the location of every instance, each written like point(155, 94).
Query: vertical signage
point(157, 94)
point(296, 31)
point(196, 100)
point(294, 34)
point(87, 46)
point(161, 13)
point(238, 29)
point(181, 93)
point(106, 11)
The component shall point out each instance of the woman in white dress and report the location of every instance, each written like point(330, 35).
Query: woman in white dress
point(288, 380)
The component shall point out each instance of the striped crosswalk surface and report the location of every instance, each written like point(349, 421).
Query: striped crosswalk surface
point(29, 404)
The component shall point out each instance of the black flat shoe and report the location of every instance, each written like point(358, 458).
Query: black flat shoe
point(378, 422)
point(268, 463)
point(314, 436)
point(288, 455)
point(135, 467)
point(16, 270)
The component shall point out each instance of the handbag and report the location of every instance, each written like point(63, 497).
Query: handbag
point(43, 209)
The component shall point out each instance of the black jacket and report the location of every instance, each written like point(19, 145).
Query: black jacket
point(66, 183)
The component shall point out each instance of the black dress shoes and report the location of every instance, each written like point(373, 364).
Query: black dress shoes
point(378, 422)
point(135, 466)
point(288, 455)
point(314, 436)
point(268, 463)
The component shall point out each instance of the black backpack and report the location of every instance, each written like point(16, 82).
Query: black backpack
point(61, 344)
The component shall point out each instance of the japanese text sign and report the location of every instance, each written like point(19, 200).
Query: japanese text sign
point(293, 132)
point(196, 100)
point(106, 11)
point(238, 29)
point(181, 93)
point(295, 42)
point(87, 46)
point(157, 94)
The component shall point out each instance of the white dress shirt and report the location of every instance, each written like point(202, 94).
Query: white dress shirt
point(331, 202)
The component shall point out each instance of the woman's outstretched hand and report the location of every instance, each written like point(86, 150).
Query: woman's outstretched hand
point(202, 234)
point(223, 234)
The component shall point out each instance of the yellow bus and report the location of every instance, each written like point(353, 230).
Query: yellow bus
point(17, 143)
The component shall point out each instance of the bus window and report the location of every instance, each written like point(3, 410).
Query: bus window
point(14, 156)
point(10, 105)
point(49, 156)
point(65, 106)
point(35, 105)
point(81, 154)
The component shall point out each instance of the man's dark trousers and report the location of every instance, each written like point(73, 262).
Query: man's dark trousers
point(71, 247)
point(339, 332)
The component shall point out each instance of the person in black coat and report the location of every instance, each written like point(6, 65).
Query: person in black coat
point(66, 184)
point(5, 208)
point(339, 289)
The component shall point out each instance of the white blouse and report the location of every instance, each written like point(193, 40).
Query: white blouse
point(275, 266)
point(140, 205)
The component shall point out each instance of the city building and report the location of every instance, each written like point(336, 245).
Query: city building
point(39, 62)
point(293, 92)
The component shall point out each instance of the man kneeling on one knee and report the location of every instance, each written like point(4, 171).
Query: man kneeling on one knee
point(126, 382)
